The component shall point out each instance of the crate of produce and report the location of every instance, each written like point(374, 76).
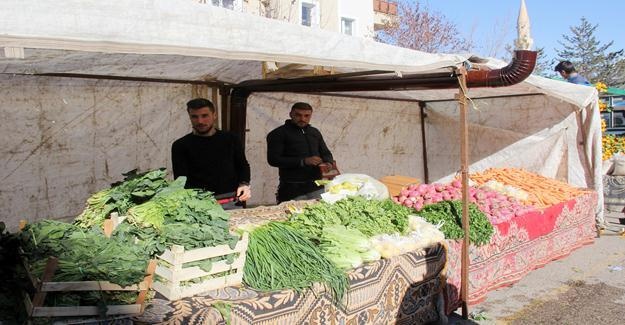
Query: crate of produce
point(178, 274)
point(44, 285)
point(41, 287)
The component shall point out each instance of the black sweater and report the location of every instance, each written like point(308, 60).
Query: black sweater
point(216, 163)
point(288, 145)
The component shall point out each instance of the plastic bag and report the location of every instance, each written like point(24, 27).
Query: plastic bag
point(345, 185)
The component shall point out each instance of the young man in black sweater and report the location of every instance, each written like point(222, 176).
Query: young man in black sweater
point(297, 149)
point(211, 159)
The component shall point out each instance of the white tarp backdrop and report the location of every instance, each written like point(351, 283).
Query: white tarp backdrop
point(63, 138)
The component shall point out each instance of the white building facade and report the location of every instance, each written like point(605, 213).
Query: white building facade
point(358, 18)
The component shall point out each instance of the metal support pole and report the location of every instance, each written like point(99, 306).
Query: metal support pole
point(464, 170)
point(224, 93)
point(238, 112)
point(426, 174)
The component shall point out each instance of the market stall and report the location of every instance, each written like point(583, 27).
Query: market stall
point(392, 132)
point(295, 262)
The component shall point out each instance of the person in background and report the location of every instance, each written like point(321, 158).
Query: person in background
point(211, 159)
point(297, 149)
point(568, 72)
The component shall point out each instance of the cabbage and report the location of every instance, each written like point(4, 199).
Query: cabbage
point(370, 255)
point(344, 246)
point(343, 258)
point(347, 238)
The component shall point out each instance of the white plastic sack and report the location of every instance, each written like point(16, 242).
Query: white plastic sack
point(346, 185)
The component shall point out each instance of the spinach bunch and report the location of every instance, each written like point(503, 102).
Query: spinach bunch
point(177, 204)
point(83, 255)
point(134, 189)
point(177, 216)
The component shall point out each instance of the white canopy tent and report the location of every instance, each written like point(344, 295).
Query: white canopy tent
point(65, 138)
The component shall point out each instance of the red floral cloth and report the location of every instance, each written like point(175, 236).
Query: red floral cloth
point(519, 246)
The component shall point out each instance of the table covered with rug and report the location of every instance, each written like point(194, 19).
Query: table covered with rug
point(521, 245)
point(406, 289)
point(403, 290)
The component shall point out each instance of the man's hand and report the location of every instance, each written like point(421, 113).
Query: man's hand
point(313, 161)
point(244, 192)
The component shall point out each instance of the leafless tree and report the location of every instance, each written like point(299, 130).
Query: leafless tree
point(497, 40)
point(418, 28)
point(274, 10)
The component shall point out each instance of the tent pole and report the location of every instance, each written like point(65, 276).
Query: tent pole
point(224, 93)
point(464, 162)
point(238, 112)
point(426, 174)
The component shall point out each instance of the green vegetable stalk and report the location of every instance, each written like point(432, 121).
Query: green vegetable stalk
point(280, 257)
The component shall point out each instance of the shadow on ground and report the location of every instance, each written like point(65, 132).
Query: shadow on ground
point(582, 303)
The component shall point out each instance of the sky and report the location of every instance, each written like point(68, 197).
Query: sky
point(492, 22)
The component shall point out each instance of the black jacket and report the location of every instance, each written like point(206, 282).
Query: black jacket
point(216, 163)
point(288, 145)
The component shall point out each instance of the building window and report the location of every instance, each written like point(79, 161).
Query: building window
point(347, 26)
point(307, 13)
point(228, 4)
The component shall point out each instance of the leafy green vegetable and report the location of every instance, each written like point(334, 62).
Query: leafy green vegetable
point(280, 257)
point(160, 214)
point(449, 213)
point(178, 216)
point(224, 309)
point(190, 236)
point(370, 255)
point(176, 204)
point(134, 189)
point(345, 247)
point(344, 259)
point(342, 236)
point(82, 254)
point(371, 217)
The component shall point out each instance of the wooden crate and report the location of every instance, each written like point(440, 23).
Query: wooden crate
point(35, 307)
point(396, 183)
point(175, 273)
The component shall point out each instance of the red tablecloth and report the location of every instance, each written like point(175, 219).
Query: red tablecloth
point(521, 245)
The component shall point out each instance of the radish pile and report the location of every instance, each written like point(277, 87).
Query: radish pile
point(497, 207)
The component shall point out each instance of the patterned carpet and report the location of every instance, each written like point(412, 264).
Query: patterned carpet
point(401, 290)
point(520, 246)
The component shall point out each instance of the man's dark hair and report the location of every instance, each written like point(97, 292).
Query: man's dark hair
point(198, 103)
point(302, 106)
point(565, 66)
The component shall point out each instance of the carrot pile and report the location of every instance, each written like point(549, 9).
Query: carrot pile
point(543, 191)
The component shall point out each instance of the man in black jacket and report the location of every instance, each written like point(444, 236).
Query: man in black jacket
point(211, 159)
point(297, 149)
